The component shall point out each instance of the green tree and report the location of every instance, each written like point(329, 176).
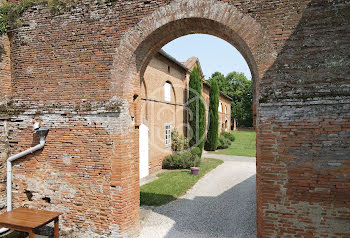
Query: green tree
point(240, 89)
point(223, 84)
point(196, 109)
point(212, 134)
point(242, 109)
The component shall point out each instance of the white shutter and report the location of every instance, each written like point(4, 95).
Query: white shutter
point(167, 90)
point(167, 134)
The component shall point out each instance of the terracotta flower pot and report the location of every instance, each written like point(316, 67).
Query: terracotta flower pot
point(194, 170)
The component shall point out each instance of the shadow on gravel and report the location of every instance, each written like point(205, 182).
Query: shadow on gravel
point(150, 199)
point(232, 214)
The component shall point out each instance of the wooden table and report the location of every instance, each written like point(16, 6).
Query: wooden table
point(26, 220)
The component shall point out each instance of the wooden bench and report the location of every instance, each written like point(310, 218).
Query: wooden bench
point(27, 220)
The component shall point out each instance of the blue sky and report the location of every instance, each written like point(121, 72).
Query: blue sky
point(214, 54)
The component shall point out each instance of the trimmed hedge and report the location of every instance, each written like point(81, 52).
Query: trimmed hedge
point(196, 151)
point(183, 160)
point(223, 142)
point(228, 135)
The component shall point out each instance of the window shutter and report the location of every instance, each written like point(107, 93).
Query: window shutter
point(167, 92)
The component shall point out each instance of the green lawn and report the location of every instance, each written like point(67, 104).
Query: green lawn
point(243, 145)
point(172, 184)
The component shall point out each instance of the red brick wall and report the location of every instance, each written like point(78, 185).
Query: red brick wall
point(303, 130)
point(66, 68)
point(75, 177)
point(5, 67)
point(155, 112)
point(5, 93)
point(224, 116)
point(159, 111)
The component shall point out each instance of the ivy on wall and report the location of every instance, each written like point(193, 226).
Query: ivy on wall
point(2, 23)
point(11, 13)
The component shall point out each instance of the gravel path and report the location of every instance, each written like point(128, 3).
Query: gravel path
point(221, 204)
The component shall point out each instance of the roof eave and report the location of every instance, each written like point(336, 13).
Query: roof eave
point(169, 57)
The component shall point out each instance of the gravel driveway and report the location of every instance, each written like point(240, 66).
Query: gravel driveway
point(221, 204)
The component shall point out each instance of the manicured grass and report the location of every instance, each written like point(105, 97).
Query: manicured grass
point(243, 145)
point(173, 184)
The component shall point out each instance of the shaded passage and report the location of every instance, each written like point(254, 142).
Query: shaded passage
point(221, 204)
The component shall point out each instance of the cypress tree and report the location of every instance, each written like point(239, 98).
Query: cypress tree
point(196, 109)
point(212, 134)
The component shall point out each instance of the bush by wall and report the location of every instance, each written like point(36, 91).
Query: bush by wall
point(223, 142)
point(228, 135)
point(183, 160)
point(196, 151)
point(178, 143)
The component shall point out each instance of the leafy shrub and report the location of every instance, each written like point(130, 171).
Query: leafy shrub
point(196, 151)
point(185, 143)
point(208, 145)
point(219, 144)
point(182, 160)
point(196, 157)
point(170, 161)
point(228, 135)
point(196, 161)
point(178, 143)
point(223, 142)
point(186, 159)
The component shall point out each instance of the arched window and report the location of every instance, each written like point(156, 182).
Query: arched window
point(167, 91)
point(225, 109)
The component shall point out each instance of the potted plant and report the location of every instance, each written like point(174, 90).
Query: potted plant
point(194, 170)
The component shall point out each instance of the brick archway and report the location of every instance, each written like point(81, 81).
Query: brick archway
point(180, 18)
point(81, 69)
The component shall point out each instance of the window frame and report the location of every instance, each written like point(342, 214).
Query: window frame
point(167, 135)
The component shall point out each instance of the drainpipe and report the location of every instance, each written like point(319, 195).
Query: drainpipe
point(41, 132)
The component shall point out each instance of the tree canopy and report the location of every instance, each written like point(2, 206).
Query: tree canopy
point(240, 89)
